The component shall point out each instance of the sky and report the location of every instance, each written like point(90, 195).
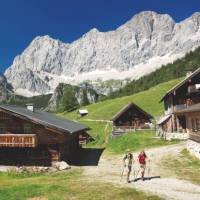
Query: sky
point(67, 20)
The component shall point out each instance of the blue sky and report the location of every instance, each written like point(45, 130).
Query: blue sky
point(22, 20)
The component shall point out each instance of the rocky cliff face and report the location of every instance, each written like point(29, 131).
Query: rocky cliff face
point(5, 89)
point(136, 48)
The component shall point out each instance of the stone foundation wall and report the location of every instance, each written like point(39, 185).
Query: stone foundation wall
point(179, 136)
point(194, 148)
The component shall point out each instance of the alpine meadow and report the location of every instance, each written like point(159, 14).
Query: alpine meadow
point(99, 100)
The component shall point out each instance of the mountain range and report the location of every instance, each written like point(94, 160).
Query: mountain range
point(138, 47)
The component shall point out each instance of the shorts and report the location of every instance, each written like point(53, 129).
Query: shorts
point(143, 166)
point(129, 168)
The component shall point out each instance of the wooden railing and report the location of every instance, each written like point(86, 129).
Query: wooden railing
point(18, 140)
point(130, 127)
point(123, 127)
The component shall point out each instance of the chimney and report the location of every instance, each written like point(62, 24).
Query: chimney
point(30, 106)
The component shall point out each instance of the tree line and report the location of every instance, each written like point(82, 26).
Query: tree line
point(177, 69)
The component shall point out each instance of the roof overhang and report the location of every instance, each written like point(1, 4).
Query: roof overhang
point(40, 122)
point(163, 119)
point(172, 90)
point(125, 108)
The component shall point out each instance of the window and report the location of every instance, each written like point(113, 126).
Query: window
point(2, 128)
point(27, 128)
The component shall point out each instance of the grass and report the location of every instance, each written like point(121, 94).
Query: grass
point(105, 110)
point(72, 184)
point(136, 141)
point(184, 166)
point(63, 186)
point(100, 131)
point(148, 100)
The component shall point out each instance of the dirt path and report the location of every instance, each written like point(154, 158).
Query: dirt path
point(167, 186)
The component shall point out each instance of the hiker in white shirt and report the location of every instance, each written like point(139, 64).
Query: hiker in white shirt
point(128, 162)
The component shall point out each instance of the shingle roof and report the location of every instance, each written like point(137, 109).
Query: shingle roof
point(125, 108)
point(46, 119)
point(181, 83)
point(192, 108)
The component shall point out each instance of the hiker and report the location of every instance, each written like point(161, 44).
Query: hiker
point(142, 161)
point(128, 162)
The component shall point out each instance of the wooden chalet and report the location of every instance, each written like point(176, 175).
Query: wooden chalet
point(192, 116)
point(182, 96)
point(33, 137)
point(131, 117)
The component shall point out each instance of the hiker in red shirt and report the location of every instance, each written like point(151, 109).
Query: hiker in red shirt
point(142, 161)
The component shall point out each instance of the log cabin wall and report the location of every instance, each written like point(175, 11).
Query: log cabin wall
point(186, 94)
point(70, 149)
point(193, 125)
point(167, 126)
point(53, 145)
point(15, 125)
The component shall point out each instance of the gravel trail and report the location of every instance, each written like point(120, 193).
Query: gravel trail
point(159, 181)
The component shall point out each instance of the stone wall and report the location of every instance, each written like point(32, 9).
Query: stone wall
point(175, 135)
point(194, 148)
point(170, 136)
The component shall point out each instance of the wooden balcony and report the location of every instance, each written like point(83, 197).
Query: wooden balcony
point(18, 140)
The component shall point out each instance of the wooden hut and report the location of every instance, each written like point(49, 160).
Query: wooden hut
point(131, 117)
point(82, 112)
point(183, 95)
point(33, 137)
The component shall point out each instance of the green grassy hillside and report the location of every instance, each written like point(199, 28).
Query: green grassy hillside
point(147, 100)
point(101, 130)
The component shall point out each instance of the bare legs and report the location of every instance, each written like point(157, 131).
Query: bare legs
point(128, 174)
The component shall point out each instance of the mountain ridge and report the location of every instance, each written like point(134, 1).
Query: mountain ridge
point(138, 47)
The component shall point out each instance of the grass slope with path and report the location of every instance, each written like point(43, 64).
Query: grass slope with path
point(105, 110)
point(160, 178)
point(147, 100)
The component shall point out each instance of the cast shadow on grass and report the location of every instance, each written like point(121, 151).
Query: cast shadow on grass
point(87, 157)
point(145, 178)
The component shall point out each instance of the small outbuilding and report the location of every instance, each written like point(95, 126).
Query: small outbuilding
point(82, 112)
point(132, 117)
